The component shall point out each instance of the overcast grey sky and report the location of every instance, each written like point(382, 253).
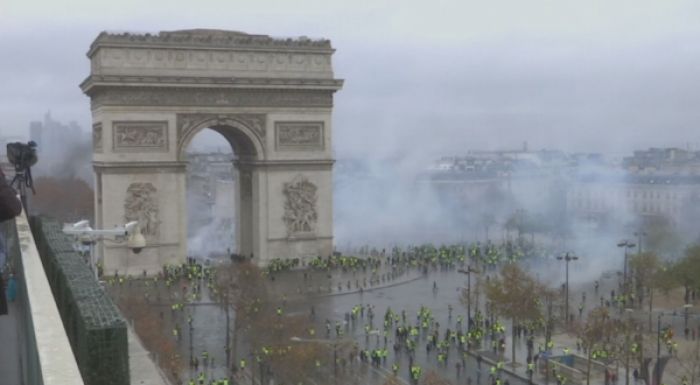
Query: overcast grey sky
point(421, 76)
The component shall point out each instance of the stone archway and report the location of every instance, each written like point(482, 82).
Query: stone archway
point(271, 99)
point(245, 134)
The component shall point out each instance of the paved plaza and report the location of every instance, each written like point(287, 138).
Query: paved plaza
point(329, 300)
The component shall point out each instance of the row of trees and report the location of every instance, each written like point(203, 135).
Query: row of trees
point(67, 200)
point(152, 328)
point(624, 340)
point(650, 273)
point(521, 298)
point(515, 295)
point(279, 343)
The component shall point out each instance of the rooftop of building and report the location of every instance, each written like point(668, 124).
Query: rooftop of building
point(214, 38)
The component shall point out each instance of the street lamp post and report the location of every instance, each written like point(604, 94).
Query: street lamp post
point(568, 258)
point(627, 345)
point(468, 272)
point(639, 235)
point(686, 307)
point(626, 245)
point(191, 330)
point(657, 371)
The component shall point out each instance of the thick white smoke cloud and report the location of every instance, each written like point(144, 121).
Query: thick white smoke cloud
point(387, 202)
point(211, 216)
point(212, 240)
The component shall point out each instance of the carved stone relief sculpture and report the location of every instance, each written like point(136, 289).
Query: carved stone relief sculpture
point(140, 136)
point(141, 204)
point(300, 136)
point(300, 214)
point(97, 137)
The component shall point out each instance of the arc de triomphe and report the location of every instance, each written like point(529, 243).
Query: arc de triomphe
point(270, 98)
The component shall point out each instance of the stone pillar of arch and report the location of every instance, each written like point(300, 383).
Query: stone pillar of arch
point(270, 98)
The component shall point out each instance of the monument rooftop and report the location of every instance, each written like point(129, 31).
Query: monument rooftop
point(209, 39)
point(198, 58)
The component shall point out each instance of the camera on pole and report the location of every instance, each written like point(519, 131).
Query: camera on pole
point(23, 157)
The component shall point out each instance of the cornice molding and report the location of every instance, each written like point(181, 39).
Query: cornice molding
point(104, 81)
point(322, 164)
point(118, 167)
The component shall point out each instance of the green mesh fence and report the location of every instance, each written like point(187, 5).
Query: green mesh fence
point(96, 329)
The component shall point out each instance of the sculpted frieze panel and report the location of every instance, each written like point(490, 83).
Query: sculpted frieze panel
point(141, 204)
point(245, 61)
point(147, 96)
point(299, 136)
point(300, 214)
point(97, 137)
point(140, 135)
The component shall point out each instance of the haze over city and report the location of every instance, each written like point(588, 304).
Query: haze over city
point(309, 192)
point(579, 76)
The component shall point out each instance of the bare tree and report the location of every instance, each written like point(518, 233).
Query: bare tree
point(149, 327)
point(76, 197)
point(239, 289)
point(627, 349)
point(689, 362)
point(645, 270)
point(281, 345)
point(597, 334)
point(687, 271)
point(515, 295)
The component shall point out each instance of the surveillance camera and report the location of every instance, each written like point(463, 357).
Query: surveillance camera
point(136, 242)
point(131, 227)
point(84, 224)
point(86, 239)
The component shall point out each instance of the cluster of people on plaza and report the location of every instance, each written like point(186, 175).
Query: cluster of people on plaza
point(403, 334)
point(400, 335)
point(488, 253)
point(393, 340)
